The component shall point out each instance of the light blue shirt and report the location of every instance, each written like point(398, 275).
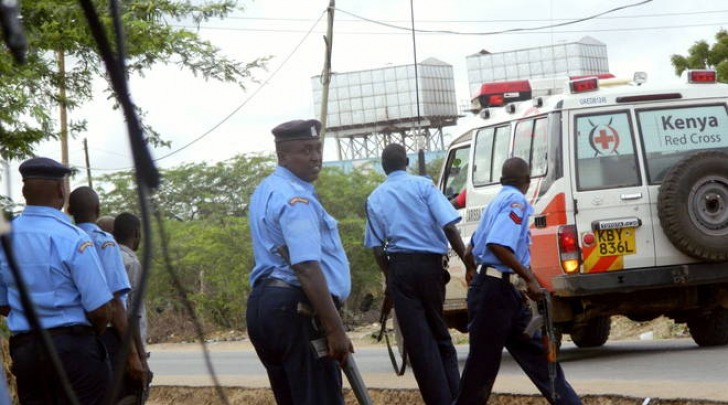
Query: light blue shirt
point(407, 214)
point(60, 267)
point(284, 211)
point(504, 222)
point(110, 256)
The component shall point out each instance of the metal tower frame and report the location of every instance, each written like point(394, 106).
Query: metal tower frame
point(370, 145)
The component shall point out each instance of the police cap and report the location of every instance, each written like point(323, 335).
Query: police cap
point(296, 130)
point(42, 168)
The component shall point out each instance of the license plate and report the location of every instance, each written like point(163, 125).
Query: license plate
point(616, 242)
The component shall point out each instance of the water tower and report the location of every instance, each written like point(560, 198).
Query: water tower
point(369, 109)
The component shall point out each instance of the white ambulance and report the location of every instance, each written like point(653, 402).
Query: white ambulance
point(630, 190)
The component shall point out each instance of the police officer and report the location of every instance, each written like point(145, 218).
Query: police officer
point(300, 269)
point(84, 206)
point(67, 285)
point(413, 221)
point(497, 311)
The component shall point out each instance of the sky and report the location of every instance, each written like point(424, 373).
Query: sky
point(183, 108)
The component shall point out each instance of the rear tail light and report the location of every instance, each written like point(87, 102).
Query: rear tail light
point(702, 76)
point(569, 252)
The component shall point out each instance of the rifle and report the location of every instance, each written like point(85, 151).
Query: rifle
point(548, 336)
point(321, 347)
point(351, 371)
point(387, 305)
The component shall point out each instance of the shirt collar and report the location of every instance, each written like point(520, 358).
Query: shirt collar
point(88, 226)
point(288, 175)
point(45, 211)
point(396, 174)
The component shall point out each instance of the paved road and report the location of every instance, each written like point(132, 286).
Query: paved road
point(660, 369)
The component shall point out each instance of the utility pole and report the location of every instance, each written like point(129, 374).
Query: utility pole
point(326, 76)
point(61, 61)
point(421, 167)
point(88, 165)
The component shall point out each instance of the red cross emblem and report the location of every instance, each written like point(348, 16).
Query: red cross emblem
point(603, 139)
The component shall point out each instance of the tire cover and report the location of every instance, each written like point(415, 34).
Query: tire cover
point(693, 206)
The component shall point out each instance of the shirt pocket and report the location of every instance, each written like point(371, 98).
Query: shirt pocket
point(330, 234)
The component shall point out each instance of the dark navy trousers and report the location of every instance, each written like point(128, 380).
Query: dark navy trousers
point(417, 286)
point(112, 342)
point(497, 317)
point(83, 358)
point(282, 339)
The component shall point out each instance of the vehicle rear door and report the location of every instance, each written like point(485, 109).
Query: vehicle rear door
point(612, 202)
point(454, 184)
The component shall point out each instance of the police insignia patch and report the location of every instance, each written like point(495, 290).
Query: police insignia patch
point(295, 200)
point(84, 246)
point(515, 218)
point(107, 244)
point(517, 205)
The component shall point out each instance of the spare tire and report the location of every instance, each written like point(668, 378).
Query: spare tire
point(693, 206)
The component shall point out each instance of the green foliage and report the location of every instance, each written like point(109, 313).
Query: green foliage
point(339, 192)
point(193, 190)
point(212, 261)
point(702, 56)
point(204, 207)
point(434, 167)
point(343, 195)
point(29, 94)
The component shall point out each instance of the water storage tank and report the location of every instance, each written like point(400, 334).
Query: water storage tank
point(367, 103)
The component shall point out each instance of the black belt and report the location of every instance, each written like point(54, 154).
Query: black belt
point(419, 258)
point(76, 330)
point(274, 282)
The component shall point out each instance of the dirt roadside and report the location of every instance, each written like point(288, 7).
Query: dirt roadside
point(167, 395)
point(509, 392)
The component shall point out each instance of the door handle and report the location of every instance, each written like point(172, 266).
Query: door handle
point(630, 196)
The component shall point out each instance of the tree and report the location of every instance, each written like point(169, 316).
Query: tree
point(194, 190)
point(343, 195)
point(704, 56)
point(30, 93)
point(434, 167)
point(205, 220)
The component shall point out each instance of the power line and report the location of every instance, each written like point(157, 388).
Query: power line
point(457, 33)
point(272, 75)
point(522, 30)
point(236, 109)
point(649, 15)
point(570, 22)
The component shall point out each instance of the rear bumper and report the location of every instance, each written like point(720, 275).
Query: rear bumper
point(625, 281)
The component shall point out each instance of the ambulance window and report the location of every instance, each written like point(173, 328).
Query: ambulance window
point(530, 144)
point(670, 135)
point(539, 154)
point(500, 150)
point(456, 172)
point(605, 154)
point(483, 156)
point(522, 141)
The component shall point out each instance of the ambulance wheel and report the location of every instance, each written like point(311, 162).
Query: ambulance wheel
point(591, 333)
point(709, 329)
point(693, 206)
